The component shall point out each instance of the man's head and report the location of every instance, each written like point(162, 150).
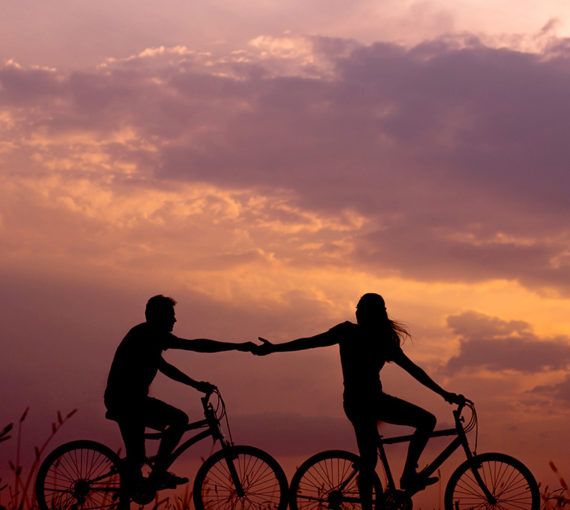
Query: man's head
point(160, 312)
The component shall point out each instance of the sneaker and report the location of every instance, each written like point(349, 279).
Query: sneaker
point(417, 482)
point(166, 480)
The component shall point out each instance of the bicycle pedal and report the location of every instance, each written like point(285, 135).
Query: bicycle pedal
point(168, 481)
point(397, 500)
point(143, 497)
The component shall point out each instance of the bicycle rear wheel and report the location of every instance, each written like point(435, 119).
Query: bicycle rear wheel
point(509, 485)
point(329, 480)
point(241, 477)
point(82, 475)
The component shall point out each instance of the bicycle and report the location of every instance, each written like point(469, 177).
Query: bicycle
point(86, 475)
point(329, 479)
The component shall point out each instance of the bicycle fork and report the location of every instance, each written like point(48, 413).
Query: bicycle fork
point(492, 500)
point(233, 471)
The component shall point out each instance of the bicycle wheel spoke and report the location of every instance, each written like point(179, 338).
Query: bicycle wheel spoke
point(82, 475)
point(261, 486)
point(507, 485)
point(327, 480)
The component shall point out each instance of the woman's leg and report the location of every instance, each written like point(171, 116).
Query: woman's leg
point(366, 431)
point(366, 438)
point(399, 412)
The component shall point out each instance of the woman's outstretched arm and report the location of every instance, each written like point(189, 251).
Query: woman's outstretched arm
point(421, 376)
point(325, 339)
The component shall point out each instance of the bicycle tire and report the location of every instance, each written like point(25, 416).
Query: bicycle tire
point(83, 475)
point(262, 478)
point(509, 481)
point(318, 482)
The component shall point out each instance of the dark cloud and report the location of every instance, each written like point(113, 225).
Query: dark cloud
point(455, 152)
point(558, 392)
point(21, 87)
point(497, 345)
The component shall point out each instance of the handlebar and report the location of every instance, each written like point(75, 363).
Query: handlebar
point(470, 422)
point(465, 402)
point(206, 398)
point(215, 413)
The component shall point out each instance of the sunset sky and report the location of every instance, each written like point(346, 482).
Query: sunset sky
point(267, 162)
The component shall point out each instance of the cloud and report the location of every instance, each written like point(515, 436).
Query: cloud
point(443, 162)
point(494, 344)
point(559, 391)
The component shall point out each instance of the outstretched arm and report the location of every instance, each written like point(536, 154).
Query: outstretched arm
point(300, 344)
point(171, 371)
point(421, 376)
point(206, 345)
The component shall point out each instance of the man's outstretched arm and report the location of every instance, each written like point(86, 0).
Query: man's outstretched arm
point(206, 345)
point(171, 371)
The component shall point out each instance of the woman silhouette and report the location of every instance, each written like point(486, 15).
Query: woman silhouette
point(364, 349)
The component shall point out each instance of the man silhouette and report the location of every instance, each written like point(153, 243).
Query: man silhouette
point(137, 361)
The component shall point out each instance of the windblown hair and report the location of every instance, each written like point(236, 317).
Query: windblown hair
point(157, 305)
point(398, 331)
point(375, 304)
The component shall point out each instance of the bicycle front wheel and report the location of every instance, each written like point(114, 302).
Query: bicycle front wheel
point(330, 480)
point(241, 477)
point(492, 481)
point(80, 475)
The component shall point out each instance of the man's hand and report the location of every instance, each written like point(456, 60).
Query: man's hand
point(247, 347)
point(205, 387)
point(264, 349)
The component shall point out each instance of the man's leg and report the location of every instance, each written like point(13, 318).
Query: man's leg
point(132, 431)
point(172, 422)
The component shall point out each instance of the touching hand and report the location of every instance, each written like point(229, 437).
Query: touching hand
point(265, 348)
point(247, 347)
point(205, 387)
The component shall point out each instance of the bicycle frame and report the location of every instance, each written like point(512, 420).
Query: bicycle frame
point(459, 441)
point(84, 472)
point(211, 425)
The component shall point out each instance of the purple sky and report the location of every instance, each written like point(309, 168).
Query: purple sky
point(265, 167)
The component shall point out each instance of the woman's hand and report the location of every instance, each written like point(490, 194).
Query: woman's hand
point(205, 386)
point(264, 349)
point(454, 398)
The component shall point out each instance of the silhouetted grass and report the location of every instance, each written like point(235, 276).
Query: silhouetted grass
point(20, 494)
point(19, 489)
point(17, 493)
point(556, 499)
point(178, 502)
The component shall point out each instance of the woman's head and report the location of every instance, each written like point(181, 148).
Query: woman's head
point(371, 310)
point(371, 313)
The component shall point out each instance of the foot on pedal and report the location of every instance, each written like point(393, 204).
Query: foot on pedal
point(417, 482)
point(167, 480)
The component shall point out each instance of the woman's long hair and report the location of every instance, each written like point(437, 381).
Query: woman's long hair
point(371, 310)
